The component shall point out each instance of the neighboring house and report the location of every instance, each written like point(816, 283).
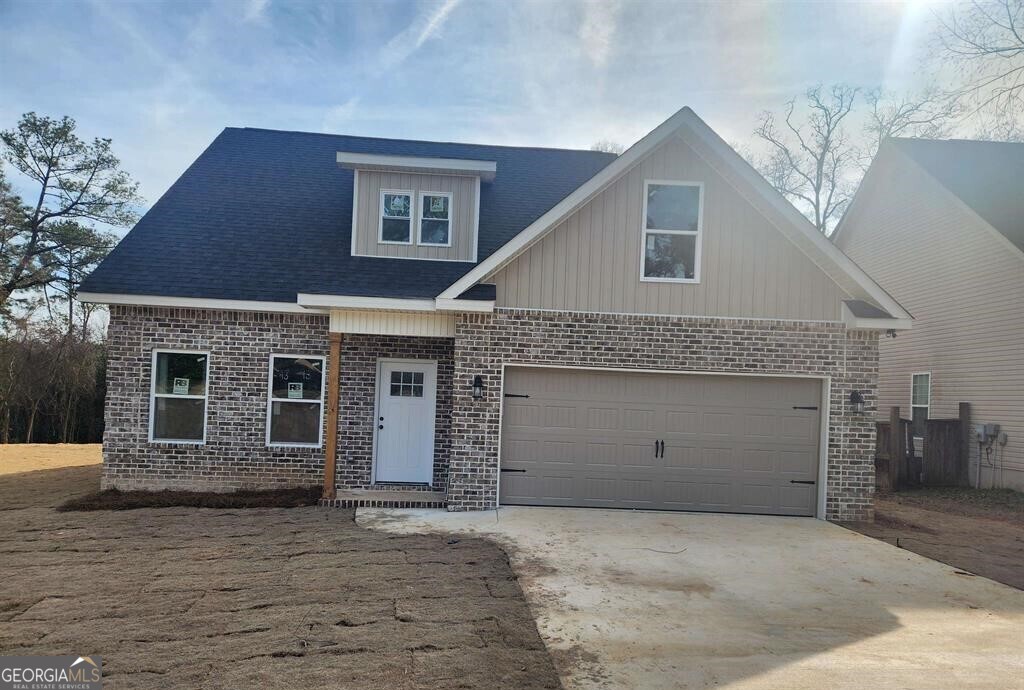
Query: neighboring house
point(940, 224)
point(504, 325)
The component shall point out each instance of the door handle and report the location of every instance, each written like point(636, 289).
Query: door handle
point(380, 426)
point(662, 449)
point(655, 447)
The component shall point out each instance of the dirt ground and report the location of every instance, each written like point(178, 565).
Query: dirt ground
point(26, 457)
point(981, 532)
point(269, 598)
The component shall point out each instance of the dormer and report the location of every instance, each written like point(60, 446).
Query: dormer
point(411, 207)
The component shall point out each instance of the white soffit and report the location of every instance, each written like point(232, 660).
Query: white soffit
point(190, 302)
point(423, 324)
point(485, 170)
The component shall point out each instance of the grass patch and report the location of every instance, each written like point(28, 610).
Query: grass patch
point(114, 499)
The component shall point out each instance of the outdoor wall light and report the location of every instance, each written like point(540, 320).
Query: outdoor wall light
point(857, 402)
point(478, 387)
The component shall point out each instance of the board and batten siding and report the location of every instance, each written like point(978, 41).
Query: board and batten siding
point(591, 261)
point(366, 214)
point(965, 288)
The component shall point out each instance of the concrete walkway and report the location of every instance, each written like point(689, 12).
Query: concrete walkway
point(676, 600)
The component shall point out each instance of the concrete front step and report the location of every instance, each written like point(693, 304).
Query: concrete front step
point(371, 498)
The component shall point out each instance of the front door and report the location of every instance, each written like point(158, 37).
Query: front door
point(406, 404)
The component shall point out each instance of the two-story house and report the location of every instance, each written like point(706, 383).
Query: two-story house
point(478, 326)
point(941, 225)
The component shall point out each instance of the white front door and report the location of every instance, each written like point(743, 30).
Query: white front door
point(406, 404)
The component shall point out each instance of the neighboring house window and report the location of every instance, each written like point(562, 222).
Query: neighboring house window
point(671, 232)
point(396, 217)
point(920, 401)
point(178, 396)
point(295, 410)
point(435, 218)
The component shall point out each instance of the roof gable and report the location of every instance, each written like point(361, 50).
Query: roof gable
point(733, 168)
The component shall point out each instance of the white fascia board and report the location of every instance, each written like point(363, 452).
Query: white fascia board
point(474, 305)
point(485, 170)
point(349, 302)
point(190, 302)
point(584, 193)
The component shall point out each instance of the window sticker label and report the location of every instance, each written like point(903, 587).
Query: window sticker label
point(181, 386)
point(437, 204)
point(295, 390)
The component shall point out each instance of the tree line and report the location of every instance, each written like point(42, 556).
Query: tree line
point(54, 230)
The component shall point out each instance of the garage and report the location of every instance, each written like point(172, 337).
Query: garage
point(660, 441)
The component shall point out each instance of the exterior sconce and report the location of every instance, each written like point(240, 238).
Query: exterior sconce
point(478, 387)
point(857, 402)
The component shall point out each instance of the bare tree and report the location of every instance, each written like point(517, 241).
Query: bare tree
point(608, 146)
point(927, 115)
point(810, 156)
point(985, 41)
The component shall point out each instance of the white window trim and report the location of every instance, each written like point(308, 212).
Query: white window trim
point(928, 407)
point(420, 219)
point(271, 400)
point(699, 234)
point(153, 395)
point(381, 216)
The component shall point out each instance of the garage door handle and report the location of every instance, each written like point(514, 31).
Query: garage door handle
point(509, 469)
point(662, 451)
point(801, 481)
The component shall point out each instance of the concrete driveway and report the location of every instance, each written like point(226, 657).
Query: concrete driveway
point(681, 600)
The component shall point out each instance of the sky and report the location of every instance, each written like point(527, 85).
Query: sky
point(162, 79)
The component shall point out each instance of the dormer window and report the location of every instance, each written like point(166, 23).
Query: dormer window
point(436, 219)
point(671, 231)
point(395, 217)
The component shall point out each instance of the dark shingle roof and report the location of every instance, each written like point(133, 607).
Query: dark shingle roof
point(265, 214)
point(988, 176)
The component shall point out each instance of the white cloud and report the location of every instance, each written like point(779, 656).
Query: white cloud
point(340, 115)
point(412, 38)
point(255, 10)
point(598, 29)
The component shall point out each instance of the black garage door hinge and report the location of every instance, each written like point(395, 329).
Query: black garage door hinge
point(805, 407)
point(516, 395)
point(509, 469)
point(801, 481)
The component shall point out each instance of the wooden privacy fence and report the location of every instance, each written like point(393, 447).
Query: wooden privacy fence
point(943, 456)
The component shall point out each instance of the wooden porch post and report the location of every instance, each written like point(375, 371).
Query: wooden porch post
point(331, 443)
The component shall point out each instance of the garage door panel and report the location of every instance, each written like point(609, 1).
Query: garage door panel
point(587, 438)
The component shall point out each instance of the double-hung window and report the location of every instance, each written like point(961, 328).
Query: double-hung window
point(436, 219)
point(920, 401)
point(395, 217)
point(295, 408)
point(177, 409)
point(672, 231)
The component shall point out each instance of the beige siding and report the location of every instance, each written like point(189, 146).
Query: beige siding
point(965, 288)
point(463, 208)
point(591, 261)
point(425, 324)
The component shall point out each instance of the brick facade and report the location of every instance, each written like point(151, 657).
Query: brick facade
point(484, 342)
point(358, 390)
point(235, 454)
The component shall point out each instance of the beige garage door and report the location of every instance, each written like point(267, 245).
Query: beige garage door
point(736, 444)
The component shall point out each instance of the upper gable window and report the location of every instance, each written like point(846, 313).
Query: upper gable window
point(436, 219)
point(395, 217)
point(671, 233)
